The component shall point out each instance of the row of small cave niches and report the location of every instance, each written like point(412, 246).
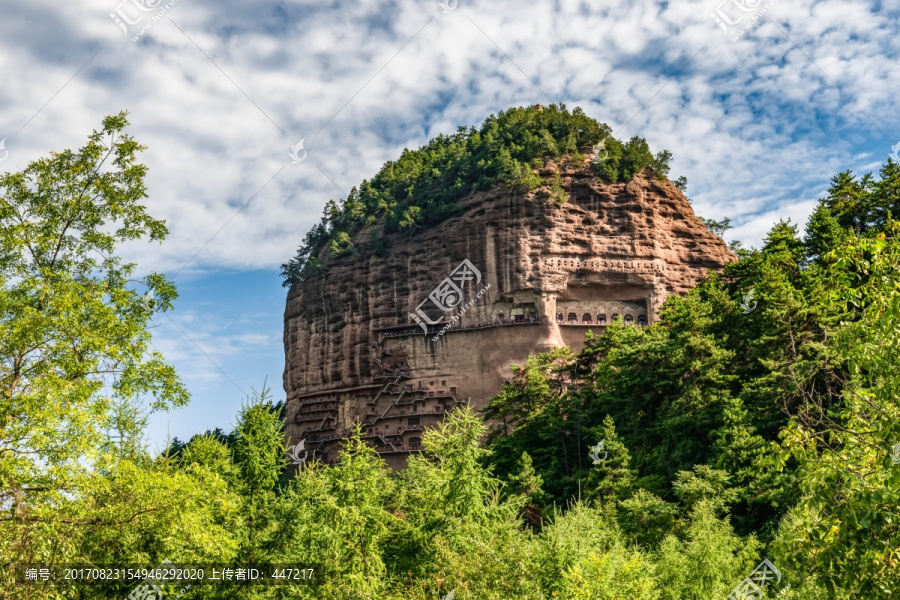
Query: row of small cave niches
point(588, 319)
point(393, 423)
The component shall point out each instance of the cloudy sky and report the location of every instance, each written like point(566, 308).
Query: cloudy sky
point(760, 101)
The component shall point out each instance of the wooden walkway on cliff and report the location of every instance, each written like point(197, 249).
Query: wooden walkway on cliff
point(414, 329)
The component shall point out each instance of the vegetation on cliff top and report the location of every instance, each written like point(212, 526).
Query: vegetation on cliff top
point(423, 186)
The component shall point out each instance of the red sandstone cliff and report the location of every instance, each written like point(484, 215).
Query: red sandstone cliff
point(354, 351)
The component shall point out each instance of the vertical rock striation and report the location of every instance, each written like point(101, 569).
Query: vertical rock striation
point(539, 274)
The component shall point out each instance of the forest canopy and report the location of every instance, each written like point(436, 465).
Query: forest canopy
point(423, 186)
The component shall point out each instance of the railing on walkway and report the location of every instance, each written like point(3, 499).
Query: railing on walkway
point(434, 329)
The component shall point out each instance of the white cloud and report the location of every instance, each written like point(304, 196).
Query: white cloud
point(754, 124)
point(202, 344)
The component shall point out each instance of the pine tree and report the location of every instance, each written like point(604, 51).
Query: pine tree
point(259, 458)
point(611, 478)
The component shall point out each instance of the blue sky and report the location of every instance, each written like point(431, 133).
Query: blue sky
point(225, 339)
point(221, 90)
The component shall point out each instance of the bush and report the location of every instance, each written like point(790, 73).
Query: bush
point(340, 245)
point(615, 575)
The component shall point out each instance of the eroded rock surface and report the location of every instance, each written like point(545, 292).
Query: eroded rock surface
point(540, 274)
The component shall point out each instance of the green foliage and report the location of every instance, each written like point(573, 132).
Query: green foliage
point(622, 161)
point(619, 574)
point(493, 561)
point(449, 483)
point(823, 233)
point(75, 358)
point(704, 484)
point(765, 396)
point(646, 519)
point(705, 386)
point(527, 484)
point(340, 245)
point(339, 519)
point(572, 537)
point(423, 187)
point(208, 452)
point(717, 227)
point(612, 478)
point(850, 483)
point(556, 192)
point(761, 408)
point(708, 563)
point(854, 206)
point(259, 459)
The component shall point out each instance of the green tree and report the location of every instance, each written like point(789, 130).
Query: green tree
point(527, 484)
point(340, 519)
point(612, 478)
point(823, 233)
point(259, 459)
point(709, 562)
point(74, 341)
point(844, 531)
point(449, 483)
point(571, 538)
point(646, 519)
point(717, 227)
point(619, 574)
point(340, 245)
point(704, 483)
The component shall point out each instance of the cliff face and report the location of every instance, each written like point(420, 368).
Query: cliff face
point(514, 274)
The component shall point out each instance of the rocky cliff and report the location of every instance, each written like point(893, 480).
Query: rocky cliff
point(397, 341)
